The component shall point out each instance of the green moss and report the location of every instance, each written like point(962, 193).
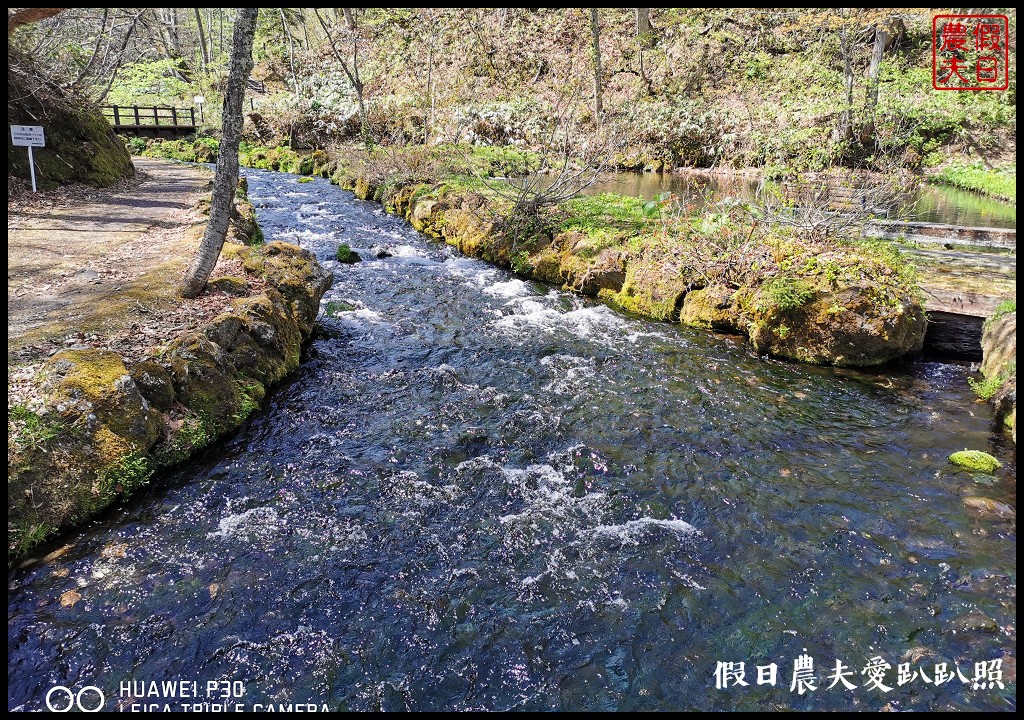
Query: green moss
point(987, 387)
point(975, 461)
point(1004, 308)
point(334, 307)
point(346, 255)
point(303, 180)
point(786, 293)
point(126, 475)
point(605, 215)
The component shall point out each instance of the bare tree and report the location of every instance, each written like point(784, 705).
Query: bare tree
point(353, 73)
point(595, 35)
point(226, 178)
point(203, 57)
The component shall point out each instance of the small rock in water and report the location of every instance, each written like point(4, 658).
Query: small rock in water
point(975, 461)
point(988, 506)
point(380, 252)
point(976, 622)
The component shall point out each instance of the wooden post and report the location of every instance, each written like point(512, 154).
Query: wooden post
point(136, 108)
point(174, 116)
point(156, 115)
point(117, 116)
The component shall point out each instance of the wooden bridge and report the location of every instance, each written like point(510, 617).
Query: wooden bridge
point(154, 122)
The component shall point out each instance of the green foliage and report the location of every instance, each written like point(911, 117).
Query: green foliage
point(302, 180)
point(27, 429)
point(334, 307)
point(521, 264)
point(135, 145)
point(126, 475)
point(784, 292)
point(346, 255)
point(155, 82)
point(1004, 308)
point(604, 213)
point(196, 432)
point(1000, 183)
point(986, 388)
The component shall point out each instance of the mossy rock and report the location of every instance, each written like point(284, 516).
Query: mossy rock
point(295, 273)
point(364, 189)
point(423, 218)
point(651, 288)
point(975, 461)
point(850, 327)
point(96, 385)
point(716, 308)
point(304, 180)
point(229, 285)
point(345, 254)
point(154, 383)
point(81, 146)
point(259, 337)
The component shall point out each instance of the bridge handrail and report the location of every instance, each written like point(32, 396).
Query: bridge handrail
point(149, 115)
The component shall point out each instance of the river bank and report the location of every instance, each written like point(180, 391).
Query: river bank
point(111, 376)
point(811, 299)
point(483, 492)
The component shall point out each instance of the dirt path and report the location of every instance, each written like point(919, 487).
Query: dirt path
point(102, 271)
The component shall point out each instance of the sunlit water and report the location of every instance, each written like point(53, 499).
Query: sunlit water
point(931, 203)
point(483, 493)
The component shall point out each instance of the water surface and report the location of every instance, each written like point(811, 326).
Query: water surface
point(483, 493)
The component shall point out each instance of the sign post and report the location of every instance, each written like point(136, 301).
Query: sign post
point(199, 100)
point(29, 136)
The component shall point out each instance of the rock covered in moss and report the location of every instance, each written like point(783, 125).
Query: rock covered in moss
point(154, 383)
point(293, 272)
point(975, 461)
point(848, 327)
point(229, 285)
point(717, 308)
point(346, 255)
point(999, 365)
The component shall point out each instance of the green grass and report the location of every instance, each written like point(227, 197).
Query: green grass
point(595, 215)
point(986, 388)
point(1004, 308)
point(1000, 183)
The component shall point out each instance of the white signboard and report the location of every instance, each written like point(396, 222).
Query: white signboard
point(27, 136)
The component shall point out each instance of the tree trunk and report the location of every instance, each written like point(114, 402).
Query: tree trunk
point(844, 131)
point(644, 31)
point(882, 36)
point(202, 41)
point(595, 34)
point(226, 178)
point(350, 19)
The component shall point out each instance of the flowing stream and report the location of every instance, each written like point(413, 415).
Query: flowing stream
point(484, 493)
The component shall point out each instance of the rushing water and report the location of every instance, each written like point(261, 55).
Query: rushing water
point(931, 203)
point(480, 492)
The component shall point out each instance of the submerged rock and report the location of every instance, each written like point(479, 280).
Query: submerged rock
point(346, 255)
point(975, 461)
point(988, 506)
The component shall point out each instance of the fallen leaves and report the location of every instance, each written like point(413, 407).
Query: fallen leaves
point(69, 598)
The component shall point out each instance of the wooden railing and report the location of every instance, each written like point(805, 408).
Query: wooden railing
point(133, 116)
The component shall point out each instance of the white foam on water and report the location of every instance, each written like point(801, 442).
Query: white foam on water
point(633, 531)
point(472, 270)
point(569, 371)
point(255, 523)
point(510, 289)
point(531, 315)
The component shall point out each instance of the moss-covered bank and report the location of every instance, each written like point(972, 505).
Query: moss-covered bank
point(105, 427)
point(81, 147)
point(999, 365)
point(848, 304)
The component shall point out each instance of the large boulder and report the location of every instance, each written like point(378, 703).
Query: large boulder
point(848, 327)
